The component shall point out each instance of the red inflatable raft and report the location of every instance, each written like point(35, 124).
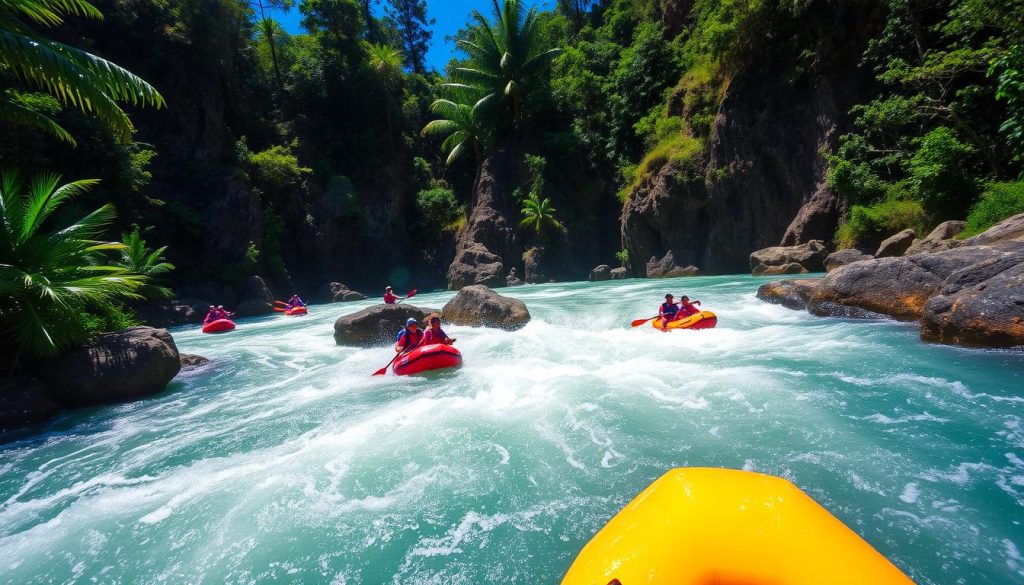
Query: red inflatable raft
point(219, 326)
point(296, 311)
point(426, 358)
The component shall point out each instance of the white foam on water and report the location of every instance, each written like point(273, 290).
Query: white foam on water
point(911, 492)
point(288, 462)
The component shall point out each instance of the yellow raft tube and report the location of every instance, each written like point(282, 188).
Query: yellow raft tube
point(704, 526)
point(701, 320)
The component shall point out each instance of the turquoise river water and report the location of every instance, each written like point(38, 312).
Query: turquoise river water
point(284, 461)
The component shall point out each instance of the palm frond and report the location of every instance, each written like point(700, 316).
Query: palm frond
point(19, 114)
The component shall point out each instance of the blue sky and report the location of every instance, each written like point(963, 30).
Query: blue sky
point(450, 16)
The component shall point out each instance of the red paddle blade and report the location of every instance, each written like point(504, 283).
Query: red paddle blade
point(281, 303)
point(411, 294)
point(381, 371)
point(639, 322)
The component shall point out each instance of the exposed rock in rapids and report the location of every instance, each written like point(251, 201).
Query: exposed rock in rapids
point(987, 314)
point(941, 238)
point(513, 279)
point(761, 179)
point(810, 257)
point(792, 294)
point(619, 273)
point(600, 273)
point(480, 306)
point(330, 292)
point(116, 366)
point(256, 298)
point(968, 295)
point(844, 257)
point(349, 296)
point(24, 401)
point(790, 268)
point(191, 361)
point(896, 244)
point(667, 268)
point(489, 243)
point(376, 325)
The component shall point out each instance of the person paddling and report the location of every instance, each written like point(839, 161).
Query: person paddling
point(389, 297)
point(409, 337)
point(686, 307)
point(295, 301)
point(434, 333)
point(211, 315)
point(667, 312)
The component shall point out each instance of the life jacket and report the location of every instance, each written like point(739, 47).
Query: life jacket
point(669, 310)
point(389, 298)
point(404, 338)
point(430, 337)
point(687, 309)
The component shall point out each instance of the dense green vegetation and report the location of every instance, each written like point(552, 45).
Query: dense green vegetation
point(945, 123)
point(335, 153)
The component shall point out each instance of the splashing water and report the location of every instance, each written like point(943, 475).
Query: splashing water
point(285, 461)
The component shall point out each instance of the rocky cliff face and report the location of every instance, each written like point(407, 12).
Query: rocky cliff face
point(761, 179)
point(488, 246)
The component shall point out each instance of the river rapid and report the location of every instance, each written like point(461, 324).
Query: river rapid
point(284, 461)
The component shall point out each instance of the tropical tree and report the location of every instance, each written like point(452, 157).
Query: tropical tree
point(409, 17)
point(539, 215)
point(51, 271)
point(75, 77)
point(385, 62)
point(504, 56)
point(464, 130)
point(137, 258)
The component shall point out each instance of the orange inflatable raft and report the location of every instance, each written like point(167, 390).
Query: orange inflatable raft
point(708, 526)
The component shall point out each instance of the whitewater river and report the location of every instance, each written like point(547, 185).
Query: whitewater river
point(284, 461)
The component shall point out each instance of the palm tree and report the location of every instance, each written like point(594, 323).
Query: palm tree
point(504, 57)
point(463, 129)
point(77, 78)
point(385, 62)
point(51, 270)
point(269, 31)
point(137, 258)
point(539, 214)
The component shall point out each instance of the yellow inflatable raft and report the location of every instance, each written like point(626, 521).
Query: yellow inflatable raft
point(703, 526)
point(701, 320)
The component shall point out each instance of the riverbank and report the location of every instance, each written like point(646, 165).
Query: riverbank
point(502, 470)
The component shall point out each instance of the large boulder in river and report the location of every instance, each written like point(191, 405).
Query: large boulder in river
point(116, 366)
point(970, 295)
point(980, 306)
point(376, 325)
point(24, 401)
point(896, 245)
point(350, 295)
point(256, 298)
point(600, 273)
point(791, 268)
point(941, 238)
point(792, 294)
point(619, 273)
point(513, 279)
point(778, 259)
point(479, 306)
point(844, 257)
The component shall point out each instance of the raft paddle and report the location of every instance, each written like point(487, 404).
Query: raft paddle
point(384, 370)
point(411, 294)
point(639, 322)
point(280, 306)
